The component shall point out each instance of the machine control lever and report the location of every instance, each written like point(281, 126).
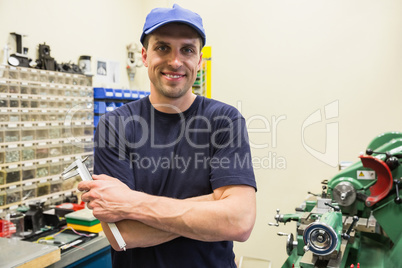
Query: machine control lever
point(391, 160)
point(331, 206)
point(347, 234)
point(398, 199)
point(290, 242)
point(276, 219)
point(313, 193)
point(282, 234)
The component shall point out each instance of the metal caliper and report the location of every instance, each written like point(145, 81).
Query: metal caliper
point(78, 168)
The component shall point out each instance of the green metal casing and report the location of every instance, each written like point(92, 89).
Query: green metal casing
point(382, 249)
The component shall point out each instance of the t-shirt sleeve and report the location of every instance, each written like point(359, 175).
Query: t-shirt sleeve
point(231, 162)
point(110, 155)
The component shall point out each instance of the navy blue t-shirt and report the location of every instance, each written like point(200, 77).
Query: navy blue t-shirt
point(175, 155)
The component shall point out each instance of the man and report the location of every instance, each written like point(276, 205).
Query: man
point(177, 174)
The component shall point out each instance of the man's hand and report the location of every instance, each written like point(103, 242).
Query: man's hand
point(108, 197)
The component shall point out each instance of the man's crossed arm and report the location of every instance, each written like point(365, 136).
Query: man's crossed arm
point(146, 220)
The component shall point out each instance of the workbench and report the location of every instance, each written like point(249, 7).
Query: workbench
point(93, 253)
point(17, 253)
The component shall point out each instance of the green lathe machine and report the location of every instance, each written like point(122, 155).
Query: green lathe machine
point(357, 220)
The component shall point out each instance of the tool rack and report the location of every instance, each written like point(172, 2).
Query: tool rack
point(46, 121)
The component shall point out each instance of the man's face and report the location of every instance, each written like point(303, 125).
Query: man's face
point(173, 58)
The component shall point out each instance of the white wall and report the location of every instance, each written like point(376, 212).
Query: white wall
point(291, 58)
point(278, 59)
point(101, 29)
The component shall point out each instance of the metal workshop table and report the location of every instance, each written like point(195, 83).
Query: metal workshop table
point(17, 253)
point(96, 253)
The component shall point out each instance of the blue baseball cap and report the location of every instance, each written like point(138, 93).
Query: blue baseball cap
point(161, 16)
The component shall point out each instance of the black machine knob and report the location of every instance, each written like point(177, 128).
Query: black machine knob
point(398, 199)
point(347, 234)
point(392, 162)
